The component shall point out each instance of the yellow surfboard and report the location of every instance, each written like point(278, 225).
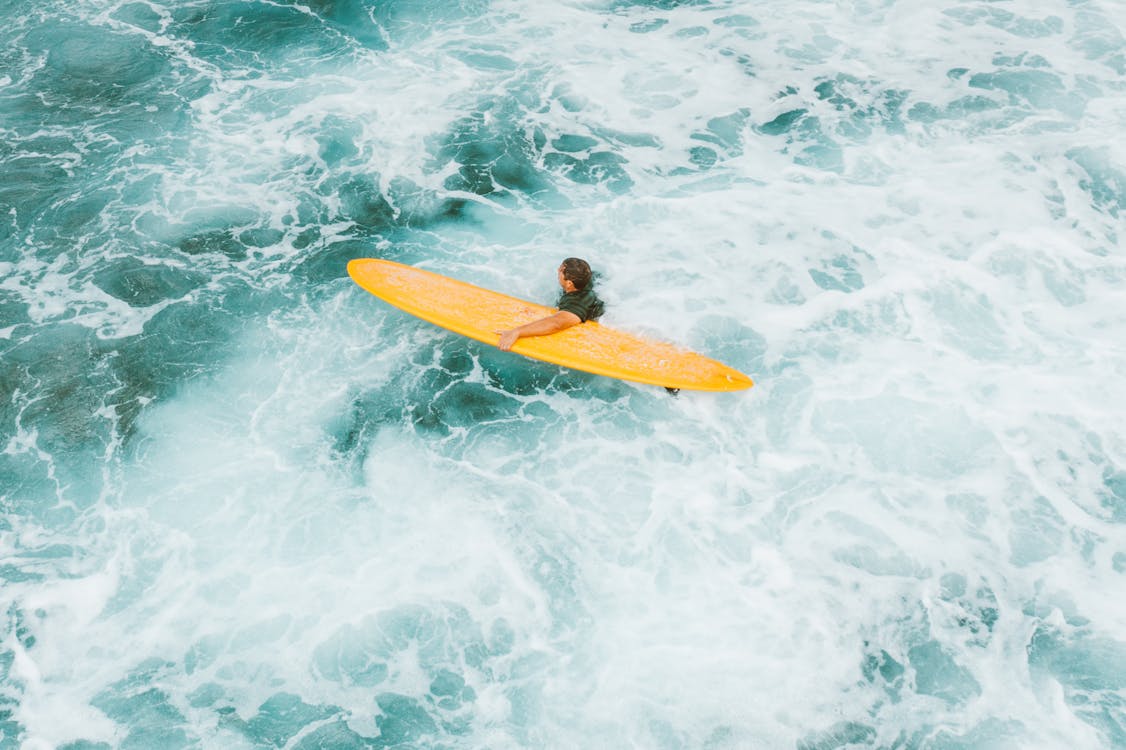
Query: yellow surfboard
point(479, 313)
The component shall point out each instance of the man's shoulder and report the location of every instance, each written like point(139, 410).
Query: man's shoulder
point(584, 303)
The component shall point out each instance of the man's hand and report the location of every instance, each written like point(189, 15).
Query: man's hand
point(508, 338)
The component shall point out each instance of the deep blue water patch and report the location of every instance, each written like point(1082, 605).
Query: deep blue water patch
point(408, 21)
point(145, 710)
point(485, 57)
point(783, 123)
point(597, 168)
point(884, 669)
point(990, 733)
point(30, 186)
point(465, 404)
point(182, 342)
point(495, 157)
point(13, 312)
point(74, 219)
point(659, 4)
point(868, 104)
point(1113, 496)
point(736, 21)
point(839, 273)
point(334, 736)
point(402, 720)
point(214, 241)
point(55, 383)
point(280, 718)
point(726, 132)
point(95, 65)
point(1092, 671)
point(362, 202)
point(337, 138)
point(251, 34)
point(140, 15)
point(621, 138)
point(1102, 180)
point(468, 407)
point(1099, 38)
point(959, 110)
point(805, 139)
point(840, 735)
point(1030, 28)
point(1038, 89)
point(574, 143)
point(938, 674)
point(329, 261)
point(647, 26)
point(447, 642)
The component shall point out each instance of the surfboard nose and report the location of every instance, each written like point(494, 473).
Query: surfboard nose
point(738, 381)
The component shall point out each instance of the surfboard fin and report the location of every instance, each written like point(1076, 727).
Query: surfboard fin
point(673, 391)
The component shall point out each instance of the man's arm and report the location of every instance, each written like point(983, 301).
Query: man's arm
point(542, 327)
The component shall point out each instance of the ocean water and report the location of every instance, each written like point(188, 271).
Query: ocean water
point(247, 505)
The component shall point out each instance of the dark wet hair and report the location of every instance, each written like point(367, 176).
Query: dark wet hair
point(577, 271)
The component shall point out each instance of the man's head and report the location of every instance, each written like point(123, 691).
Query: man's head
point(577, 272)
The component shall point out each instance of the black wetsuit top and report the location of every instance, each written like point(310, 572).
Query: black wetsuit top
point(585, 304)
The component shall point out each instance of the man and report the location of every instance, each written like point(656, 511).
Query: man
point(578, 304)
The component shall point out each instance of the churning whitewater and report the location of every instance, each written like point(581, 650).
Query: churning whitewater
point(248, 505)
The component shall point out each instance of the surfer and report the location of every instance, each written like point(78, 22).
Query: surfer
point(577, 304)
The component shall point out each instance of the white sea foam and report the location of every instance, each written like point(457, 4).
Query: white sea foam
point(871, 546)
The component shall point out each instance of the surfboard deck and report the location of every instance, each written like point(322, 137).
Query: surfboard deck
point(479, 313)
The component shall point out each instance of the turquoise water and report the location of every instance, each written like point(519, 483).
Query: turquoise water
point(246, 505)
